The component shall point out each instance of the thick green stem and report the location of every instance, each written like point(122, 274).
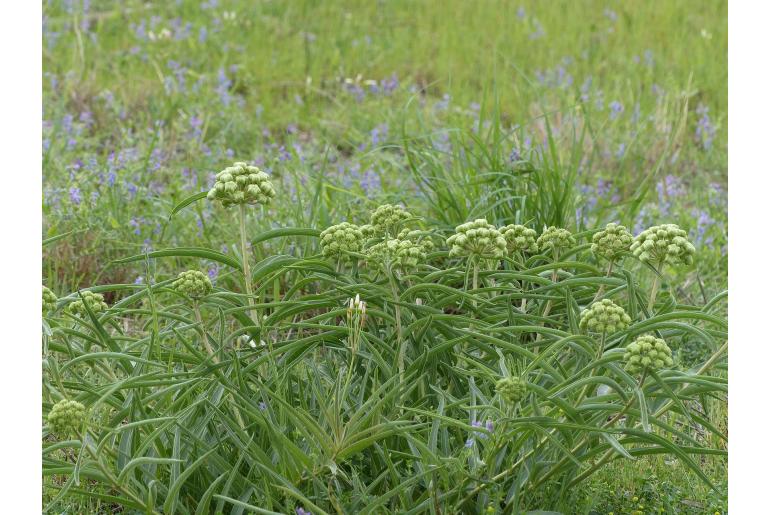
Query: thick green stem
point(653, 293)
point(400, 344)
point(206, 344)
point(246, 265)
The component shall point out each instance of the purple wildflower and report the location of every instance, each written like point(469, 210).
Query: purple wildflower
point(75, 195)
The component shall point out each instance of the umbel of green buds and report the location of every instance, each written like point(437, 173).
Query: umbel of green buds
point(49, 300)
point(604, 317)
point(242, 184)
point(647, 353)
point(556, 239)
point(403, 253)
point(94, 301)
point(512, 389)
point(341, 239)
point(193, 283)
point(387, 218)
point(519, 238)
point(66, 417)
point(611, 242)
point(478, 239)
point(663, 244)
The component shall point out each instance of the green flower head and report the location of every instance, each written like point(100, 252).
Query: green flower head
point(611, 242)
point(663, 244)
point(478, 239)
point(242, 184)
point(193, 283)
point(94, 301)
point(604, 317)
point(519, 238)
point(512, 389)
point(556, 239)
point(341, 239)
point(49, 300)
point(368, 231)
point(66, 417)
point(402, 252)
point(647, 353)
point(387, 219)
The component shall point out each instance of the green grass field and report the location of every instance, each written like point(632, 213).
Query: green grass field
point(566, 114)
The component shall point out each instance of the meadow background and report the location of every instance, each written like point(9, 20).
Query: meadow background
point(548, 113)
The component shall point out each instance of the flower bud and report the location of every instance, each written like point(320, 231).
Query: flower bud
point(604, 317)
point(242, 184)
point(49, 300)
point(647, 353)
point(663, 244)
point(387, 218)
point(556, 239)
point(66, 417)
point(342, 239)
point(193, 283)
point(478, 239)
point(512, 389)
point(94, 301)
point(519, 238)
point(611, 242)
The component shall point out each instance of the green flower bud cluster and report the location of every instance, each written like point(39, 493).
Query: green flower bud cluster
point(519, 238)
point(512, 389)
point(49, 300)
point(66, 417)
point(242, 184)
point(611, 242)
point(193, 283)
point(401, 253)
point(341, 239)
point(368, 231)
point(663, 244)
point(387, 218)
point(647, 353)
point(94, 301)
point(555, 238)
point(479, 239)
point(604, 317)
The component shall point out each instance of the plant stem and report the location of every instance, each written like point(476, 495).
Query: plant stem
point(654, 289)
point(206, 344)
point(246, 265)
point(400, 344)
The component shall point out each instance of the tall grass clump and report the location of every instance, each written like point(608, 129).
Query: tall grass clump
point(396, 365)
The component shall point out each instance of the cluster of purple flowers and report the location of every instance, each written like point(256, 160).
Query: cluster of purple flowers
point(489, 426)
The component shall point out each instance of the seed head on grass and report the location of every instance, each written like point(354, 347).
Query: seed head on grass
point(519, 238)
point(388, 218)
point(477, 239)
point(604, 316)
point(663, 244)
point(66, 417)
point(512, 389)
point(94, 301)
point(242, 184)
point(611, 242)
point(342, 239)
point(193, 283)
point(49, 300)
point(556, 239)
point(647, 353)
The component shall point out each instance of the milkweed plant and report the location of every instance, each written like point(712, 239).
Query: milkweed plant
point(390, 366)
